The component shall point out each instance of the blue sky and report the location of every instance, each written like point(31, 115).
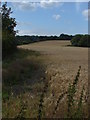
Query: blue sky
point(50, 18)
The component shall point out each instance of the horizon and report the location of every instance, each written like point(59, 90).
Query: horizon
point(53, 35)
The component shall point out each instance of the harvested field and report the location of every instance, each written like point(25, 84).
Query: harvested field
point(62, 62)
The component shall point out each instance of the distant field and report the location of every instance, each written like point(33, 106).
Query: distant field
point(47, 46)
point(62, 62)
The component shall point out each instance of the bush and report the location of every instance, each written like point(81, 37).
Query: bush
point(75, 41)
point(81, 41)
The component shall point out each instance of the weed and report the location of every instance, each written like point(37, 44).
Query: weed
point(58, 101)
point(23, 106)
point(71, 92)
point(78, 113)
point(40, 110)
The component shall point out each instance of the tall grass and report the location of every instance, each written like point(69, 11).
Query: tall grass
point(23, 109)
point(72, 112)
point(79, 110)
point(58, 101)
point(41, 106)
point(25, 70)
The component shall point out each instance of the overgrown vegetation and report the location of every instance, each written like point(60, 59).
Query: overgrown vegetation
point(81, 40)
point(71, 93)
point(73, 112)
point(22, 72)
point(23, 109)
point(41, 106)
point(19, 83)
point(57, 102)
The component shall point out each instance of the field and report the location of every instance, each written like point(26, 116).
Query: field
point(55, 63)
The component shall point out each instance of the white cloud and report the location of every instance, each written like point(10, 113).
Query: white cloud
point(86, 14)
point(25, 5)
point(56, 17)
point(50, 3)
point(33, 5)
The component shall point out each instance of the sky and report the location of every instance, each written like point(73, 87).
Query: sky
point(50, 18)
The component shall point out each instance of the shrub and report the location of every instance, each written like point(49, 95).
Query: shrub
point(81, 41)
point(76, 40)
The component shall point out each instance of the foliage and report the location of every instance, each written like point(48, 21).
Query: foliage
point(81, 40)
point(8, 32)
point(75, 40)
point(65, 37)
point(30, 39)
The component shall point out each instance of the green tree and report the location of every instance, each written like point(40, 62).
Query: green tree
point(83, 41)
point(8, 32)
point(75, 40)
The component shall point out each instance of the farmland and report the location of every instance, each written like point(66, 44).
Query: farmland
point(62, 62)
point(55, 62)
point(44, 60)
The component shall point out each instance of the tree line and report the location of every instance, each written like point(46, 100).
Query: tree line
point(79, 40)
point(30, 39)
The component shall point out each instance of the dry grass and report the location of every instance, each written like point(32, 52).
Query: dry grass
point(22, 83)
point(61, 63)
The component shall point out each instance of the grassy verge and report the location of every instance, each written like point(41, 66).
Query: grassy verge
point(18, 55)
point(22, 78)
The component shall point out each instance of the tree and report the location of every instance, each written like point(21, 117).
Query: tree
point(83, 41)
point(75, 40)
point(8, 32)
point(65, 37)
